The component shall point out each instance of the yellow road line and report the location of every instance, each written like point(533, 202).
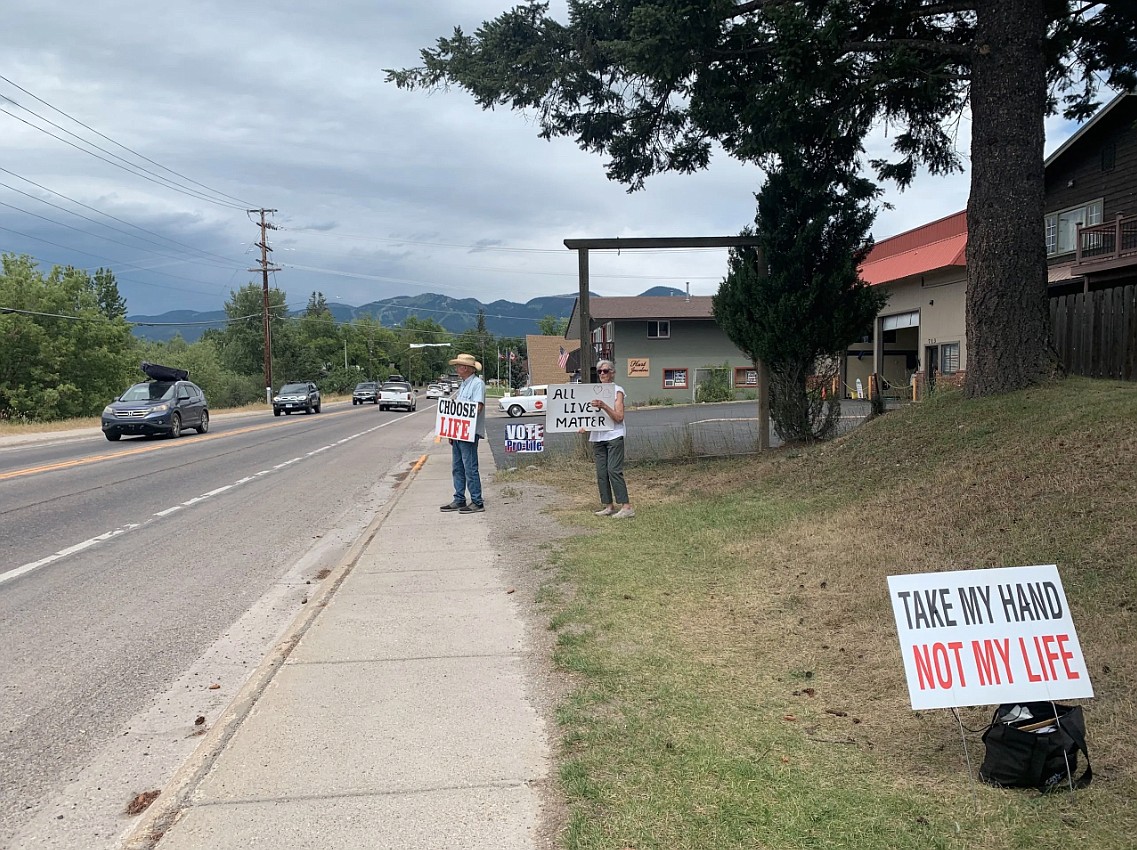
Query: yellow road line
point(84, 461)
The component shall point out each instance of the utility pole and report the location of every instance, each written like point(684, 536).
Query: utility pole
point(264, 268)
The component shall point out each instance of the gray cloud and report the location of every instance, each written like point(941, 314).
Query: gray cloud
point(378, 191)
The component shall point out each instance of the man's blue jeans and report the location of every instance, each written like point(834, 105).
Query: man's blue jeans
point(464, 465)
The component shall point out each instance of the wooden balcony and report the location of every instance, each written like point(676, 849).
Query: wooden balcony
point(603, 351)
point(1105, 247)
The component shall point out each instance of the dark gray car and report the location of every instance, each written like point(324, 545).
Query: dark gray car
point(296, 396)
point(366, 392)
point(155, 408)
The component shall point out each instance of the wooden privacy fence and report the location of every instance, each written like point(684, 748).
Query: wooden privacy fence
point(1096, 332)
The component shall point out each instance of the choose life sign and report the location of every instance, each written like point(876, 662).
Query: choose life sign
point(981, 637)
point(456, 419)
point(570, 407)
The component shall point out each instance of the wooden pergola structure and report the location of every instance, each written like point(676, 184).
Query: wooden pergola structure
point(583, 246)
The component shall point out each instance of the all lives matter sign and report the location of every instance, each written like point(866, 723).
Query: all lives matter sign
point(981, 637)
point(570, 407)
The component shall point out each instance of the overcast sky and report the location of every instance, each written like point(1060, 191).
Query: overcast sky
point(379, 192)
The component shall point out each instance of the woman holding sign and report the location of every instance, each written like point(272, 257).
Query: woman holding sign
point(608, 447)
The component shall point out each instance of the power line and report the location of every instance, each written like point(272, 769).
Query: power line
point(201, 251)
point(80, 230)
point(502, 248)
point(119, 144)
point(138, 171)
point(114, 262)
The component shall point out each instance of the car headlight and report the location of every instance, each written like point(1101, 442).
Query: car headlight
point(276, 398)
point(108, 411)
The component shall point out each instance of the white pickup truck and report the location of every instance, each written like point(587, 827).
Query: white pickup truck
point(397, 394)
point(529, 400)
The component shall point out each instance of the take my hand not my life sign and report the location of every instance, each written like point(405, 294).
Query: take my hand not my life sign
point(983, 637)
point(456, 419)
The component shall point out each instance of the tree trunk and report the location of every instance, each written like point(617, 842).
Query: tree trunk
point(1008, 329)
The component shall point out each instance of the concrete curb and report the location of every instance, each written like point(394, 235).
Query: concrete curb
point(164, 812)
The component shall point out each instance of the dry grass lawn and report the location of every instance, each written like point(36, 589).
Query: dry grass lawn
point(741, 682)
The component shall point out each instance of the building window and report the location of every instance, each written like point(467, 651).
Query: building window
point(675, 379)
point(746, 377)
point(659, 330)
point(1108, 155)
point(949, 358)
point(1062, 227)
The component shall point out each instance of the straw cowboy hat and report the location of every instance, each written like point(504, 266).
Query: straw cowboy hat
point(466, 360)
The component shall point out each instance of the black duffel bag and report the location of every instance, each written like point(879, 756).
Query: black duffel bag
point(1036, 745)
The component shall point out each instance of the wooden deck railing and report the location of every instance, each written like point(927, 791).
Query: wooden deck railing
point(1115, 240)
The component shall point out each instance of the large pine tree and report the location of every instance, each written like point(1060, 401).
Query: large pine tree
point(654, 83)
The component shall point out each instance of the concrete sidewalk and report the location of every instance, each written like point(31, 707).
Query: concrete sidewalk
point(397, 714)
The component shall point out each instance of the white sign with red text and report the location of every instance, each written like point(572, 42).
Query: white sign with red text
point(982, 637)
point(456, 419)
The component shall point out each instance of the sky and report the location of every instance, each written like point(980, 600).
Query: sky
point(378, 192)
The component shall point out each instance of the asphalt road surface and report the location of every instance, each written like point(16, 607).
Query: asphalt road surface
point(142, 581)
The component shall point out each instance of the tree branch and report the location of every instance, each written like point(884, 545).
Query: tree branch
point(958, 51)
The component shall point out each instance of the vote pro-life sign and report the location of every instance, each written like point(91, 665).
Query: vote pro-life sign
point(570, 409)
point(456, 419)
point(984, 637)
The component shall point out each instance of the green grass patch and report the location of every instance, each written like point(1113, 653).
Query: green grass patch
point(738, 678)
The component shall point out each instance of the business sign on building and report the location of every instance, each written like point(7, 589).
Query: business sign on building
point(456, 419)
point(525, 437)
point(569, 407)
point(985, 637)
point(639, 367)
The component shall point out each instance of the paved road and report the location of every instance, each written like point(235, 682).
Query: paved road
point(135, 575)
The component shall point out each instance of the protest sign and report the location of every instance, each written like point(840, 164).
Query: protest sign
point(570, 407)
point(456, 419)
point(528, 437)
point(981, 637)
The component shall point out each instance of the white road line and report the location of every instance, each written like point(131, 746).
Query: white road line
point(23, 569)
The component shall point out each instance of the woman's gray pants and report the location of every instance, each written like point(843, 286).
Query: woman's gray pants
point(610, 471)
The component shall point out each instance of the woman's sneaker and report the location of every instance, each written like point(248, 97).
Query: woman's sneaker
point(624, 513)
point(608, 511)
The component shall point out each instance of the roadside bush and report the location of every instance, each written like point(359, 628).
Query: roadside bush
point(717, 386)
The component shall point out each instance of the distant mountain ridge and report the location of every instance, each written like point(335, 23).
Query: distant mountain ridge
point(503, 318)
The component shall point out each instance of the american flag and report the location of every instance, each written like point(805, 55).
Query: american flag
point(562, 361)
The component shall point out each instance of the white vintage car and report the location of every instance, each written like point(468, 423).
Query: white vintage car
point(528, 400)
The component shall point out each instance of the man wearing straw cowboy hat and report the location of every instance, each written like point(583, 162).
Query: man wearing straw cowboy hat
point(464, 455)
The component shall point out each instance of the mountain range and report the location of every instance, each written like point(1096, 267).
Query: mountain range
point(503, 318)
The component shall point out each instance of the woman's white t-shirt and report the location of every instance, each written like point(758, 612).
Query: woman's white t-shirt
point(611, 434)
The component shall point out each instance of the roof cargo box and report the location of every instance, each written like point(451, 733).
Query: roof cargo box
point(164, 373)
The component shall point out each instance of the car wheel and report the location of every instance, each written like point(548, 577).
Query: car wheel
point(203, 425)
point(113, 436)
point(317, 408)
point(275, 412)
point(175, 426)
point(515, 410)
point(375, 401)
point(414, 407)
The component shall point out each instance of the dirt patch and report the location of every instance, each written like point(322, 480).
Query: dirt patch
point(520, 518)
point(141, 802)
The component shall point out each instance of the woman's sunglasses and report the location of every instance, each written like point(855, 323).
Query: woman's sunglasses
point(603, 371)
